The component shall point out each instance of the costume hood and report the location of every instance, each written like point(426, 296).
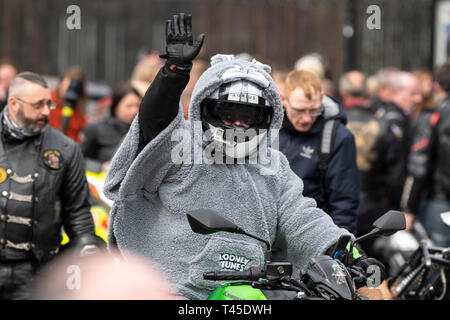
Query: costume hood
point(225, 69)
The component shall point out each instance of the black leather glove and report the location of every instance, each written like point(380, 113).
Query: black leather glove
point(373, 271)
point(85, 244)
point(181, 48)
point(365, 271)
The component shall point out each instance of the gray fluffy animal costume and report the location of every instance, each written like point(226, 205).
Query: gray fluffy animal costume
point(152, 195)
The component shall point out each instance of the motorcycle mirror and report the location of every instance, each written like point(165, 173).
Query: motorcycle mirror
point(206, 221)
point(388, 224)
point(445, 216)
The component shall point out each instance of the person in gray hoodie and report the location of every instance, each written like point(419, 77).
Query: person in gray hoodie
point(168, 166)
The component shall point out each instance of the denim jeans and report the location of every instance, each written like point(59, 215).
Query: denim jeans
point(430, 217)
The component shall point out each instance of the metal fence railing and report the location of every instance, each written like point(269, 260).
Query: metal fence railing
point(113, 32)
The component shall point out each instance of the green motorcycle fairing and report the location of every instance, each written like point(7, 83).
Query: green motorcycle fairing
point(236, 290)
point(230, 291)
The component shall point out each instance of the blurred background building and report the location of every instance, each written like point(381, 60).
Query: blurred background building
point(114, 34)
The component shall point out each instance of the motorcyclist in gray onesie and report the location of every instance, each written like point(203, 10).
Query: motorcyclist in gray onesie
point(220, 159)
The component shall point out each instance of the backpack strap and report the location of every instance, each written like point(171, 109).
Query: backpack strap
point(325, 152)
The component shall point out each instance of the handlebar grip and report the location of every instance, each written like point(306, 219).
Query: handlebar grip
point(253, 273)
point(225, 275)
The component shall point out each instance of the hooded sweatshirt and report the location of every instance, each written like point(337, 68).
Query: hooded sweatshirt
point(153, 190)
point(341, 177)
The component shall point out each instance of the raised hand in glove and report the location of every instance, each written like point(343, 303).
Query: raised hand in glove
point(181, 48)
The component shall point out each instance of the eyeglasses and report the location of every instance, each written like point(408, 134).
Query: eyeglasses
point(40, 104)
point(302, 113)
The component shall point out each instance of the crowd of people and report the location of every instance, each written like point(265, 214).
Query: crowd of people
point(347, 154)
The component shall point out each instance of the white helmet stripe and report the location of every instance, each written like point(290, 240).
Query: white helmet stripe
point(253, 93)
point(235, 91)
point(241, 91)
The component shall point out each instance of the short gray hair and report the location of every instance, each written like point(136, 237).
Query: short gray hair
point(384, 77)
point(348, 87)
point(25, 77)
point(401, 79)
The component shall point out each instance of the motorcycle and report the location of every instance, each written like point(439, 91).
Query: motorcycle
point(326, 277)
point(424, 274)
point(396, 250)
point(100, 205)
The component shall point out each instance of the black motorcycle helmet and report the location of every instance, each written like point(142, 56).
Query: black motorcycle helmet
point(241, 106)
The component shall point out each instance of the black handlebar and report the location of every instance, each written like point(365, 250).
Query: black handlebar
point(429, 257)
point(254, 273)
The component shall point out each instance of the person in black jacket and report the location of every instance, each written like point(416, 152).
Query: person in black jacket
point(101, 139)
point(383, 90)
point(42, 188)
point(426, 193)
point(308, 115)
point(380, 158)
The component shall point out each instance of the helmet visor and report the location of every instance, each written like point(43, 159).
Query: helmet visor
point(233, 114)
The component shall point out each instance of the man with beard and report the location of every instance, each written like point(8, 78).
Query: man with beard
point(42, 188)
